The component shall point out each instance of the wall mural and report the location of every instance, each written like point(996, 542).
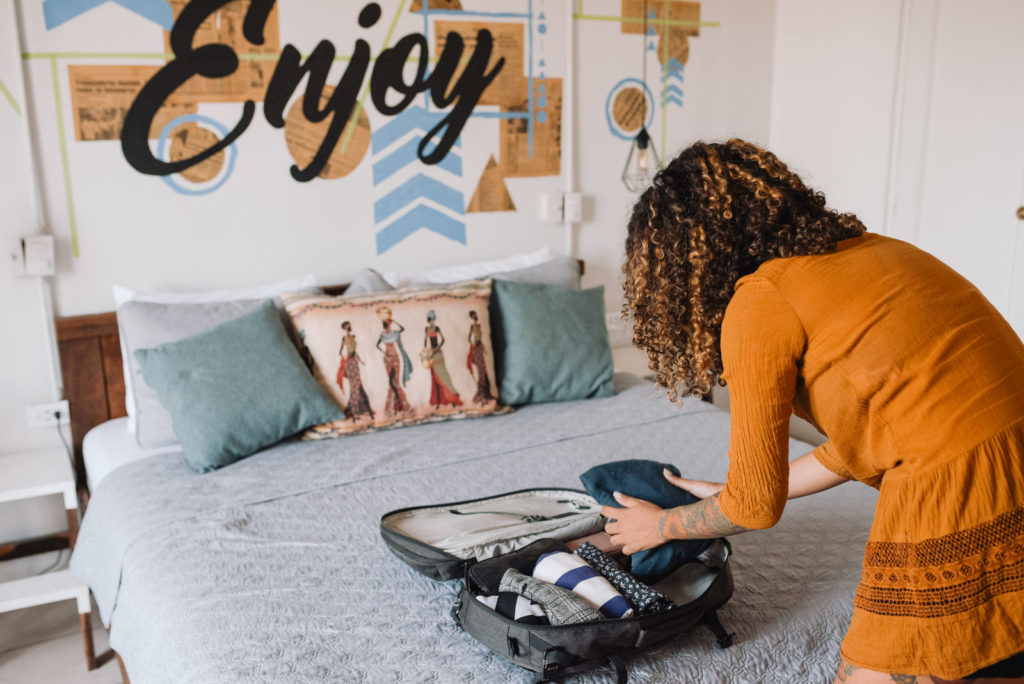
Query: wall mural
point(465, 63)
point(381, 110)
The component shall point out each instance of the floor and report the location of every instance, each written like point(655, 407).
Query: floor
point(44, 644)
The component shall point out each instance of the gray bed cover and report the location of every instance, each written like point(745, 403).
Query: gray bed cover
point(272, 569)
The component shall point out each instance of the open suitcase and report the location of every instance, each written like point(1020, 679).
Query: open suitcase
point(478, 539)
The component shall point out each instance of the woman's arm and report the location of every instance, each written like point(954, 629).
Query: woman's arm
point(642, 525)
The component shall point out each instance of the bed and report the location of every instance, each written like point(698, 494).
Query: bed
point(272, 569)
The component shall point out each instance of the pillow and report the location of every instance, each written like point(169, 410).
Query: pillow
point(367, 281)
point(124, 294)
point(464, 272)
point(551, 343)
point(405, 357)
point(562, 271)
point(235, 389)
point(145, 325)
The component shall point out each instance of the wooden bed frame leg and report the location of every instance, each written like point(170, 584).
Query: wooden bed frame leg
point(72, 516)
point(90, 651)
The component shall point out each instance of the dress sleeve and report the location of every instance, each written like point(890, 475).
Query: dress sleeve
point(762, 341)
point(828, 456)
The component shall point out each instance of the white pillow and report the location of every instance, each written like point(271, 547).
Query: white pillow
point(458, 274)
point(124, 294)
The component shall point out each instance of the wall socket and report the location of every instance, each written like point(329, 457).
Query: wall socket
point(42, 415)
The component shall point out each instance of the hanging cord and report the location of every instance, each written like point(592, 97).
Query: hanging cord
point(56, 564)
point(67, 447)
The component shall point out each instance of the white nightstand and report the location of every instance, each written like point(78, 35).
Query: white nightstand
point(25, 476)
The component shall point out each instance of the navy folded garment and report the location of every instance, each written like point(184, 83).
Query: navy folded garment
point(643, 479)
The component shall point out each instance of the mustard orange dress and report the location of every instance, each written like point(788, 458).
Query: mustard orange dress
point(918, 382)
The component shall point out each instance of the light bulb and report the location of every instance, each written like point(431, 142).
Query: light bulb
point(643, 159)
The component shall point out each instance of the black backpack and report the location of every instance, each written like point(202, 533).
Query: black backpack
point(513, 530)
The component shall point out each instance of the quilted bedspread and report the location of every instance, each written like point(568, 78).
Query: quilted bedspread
point(272, 569)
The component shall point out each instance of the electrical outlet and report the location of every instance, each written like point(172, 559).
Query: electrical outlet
point(45, 415)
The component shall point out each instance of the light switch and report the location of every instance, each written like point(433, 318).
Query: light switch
point(551, 207)
point(39, 255)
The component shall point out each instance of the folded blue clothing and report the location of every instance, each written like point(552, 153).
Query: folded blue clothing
point(643, 479)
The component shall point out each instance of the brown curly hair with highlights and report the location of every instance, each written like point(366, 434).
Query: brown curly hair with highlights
point(713, 215)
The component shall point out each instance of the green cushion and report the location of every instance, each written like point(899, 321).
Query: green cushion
point(550, 343)
point(235, 389)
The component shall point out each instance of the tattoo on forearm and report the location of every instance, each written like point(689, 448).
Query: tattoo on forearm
point(701, 520)
point(903, 679)
point(846, 671)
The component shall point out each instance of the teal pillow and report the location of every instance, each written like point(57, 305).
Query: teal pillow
point(550, 343)
point(235, 389)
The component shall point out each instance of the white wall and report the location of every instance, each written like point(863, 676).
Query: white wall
point(25, 372)
point(833, 78)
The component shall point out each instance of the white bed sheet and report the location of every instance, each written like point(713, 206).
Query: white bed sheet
point(109, 445)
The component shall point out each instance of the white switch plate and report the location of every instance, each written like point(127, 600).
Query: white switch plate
point(42, 415)
point(551, 207)
point(572, 207)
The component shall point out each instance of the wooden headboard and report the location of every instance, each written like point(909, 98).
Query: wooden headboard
point(90, 361)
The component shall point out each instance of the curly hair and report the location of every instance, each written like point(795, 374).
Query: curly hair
point(713, 215)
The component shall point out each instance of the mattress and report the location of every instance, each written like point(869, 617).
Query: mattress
point(109, 445)
point(273, 570)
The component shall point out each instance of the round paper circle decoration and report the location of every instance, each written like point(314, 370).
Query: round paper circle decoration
point(629, 106)
point(186, 136)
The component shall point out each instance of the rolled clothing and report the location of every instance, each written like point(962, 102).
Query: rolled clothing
point(644, 479)
point(645, 600)
point(561, 605)
point(575, 574)
point(516, 607)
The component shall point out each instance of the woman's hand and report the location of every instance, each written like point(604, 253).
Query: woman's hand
point(634, 527)
point(701, 489)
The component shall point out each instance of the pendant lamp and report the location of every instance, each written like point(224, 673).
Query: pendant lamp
point(642, 163)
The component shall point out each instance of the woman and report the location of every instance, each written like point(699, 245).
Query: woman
point(348, 369)
point(476, 361)
point(442, 391)
point(396, 363)
point(737, 273)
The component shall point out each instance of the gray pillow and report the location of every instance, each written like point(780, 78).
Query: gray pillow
point(145, 325)
point(368, 281)
point(562, 271)
point(235, 389)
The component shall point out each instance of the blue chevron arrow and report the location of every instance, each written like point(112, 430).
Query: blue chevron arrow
point(670, 100)
point(57, 12)
point(420, 217)
point(416, 187)
point(408, 154)
point(674, 66)
point(673, 90)
point(413, 119)
point(542, 64)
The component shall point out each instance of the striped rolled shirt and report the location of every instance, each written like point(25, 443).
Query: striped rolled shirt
point(575, 574)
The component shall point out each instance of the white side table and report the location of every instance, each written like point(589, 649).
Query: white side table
point(25, 476)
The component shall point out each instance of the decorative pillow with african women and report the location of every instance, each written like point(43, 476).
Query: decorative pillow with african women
point(399, 358)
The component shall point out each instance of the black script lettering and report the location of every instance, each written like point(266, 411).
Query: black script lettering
point(465, 94)
point(388, 74)
point(290, 71)
point(210, 61)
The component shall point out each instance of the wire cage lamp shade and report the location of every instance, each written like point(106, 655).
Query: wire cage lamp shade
point(642, 163)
